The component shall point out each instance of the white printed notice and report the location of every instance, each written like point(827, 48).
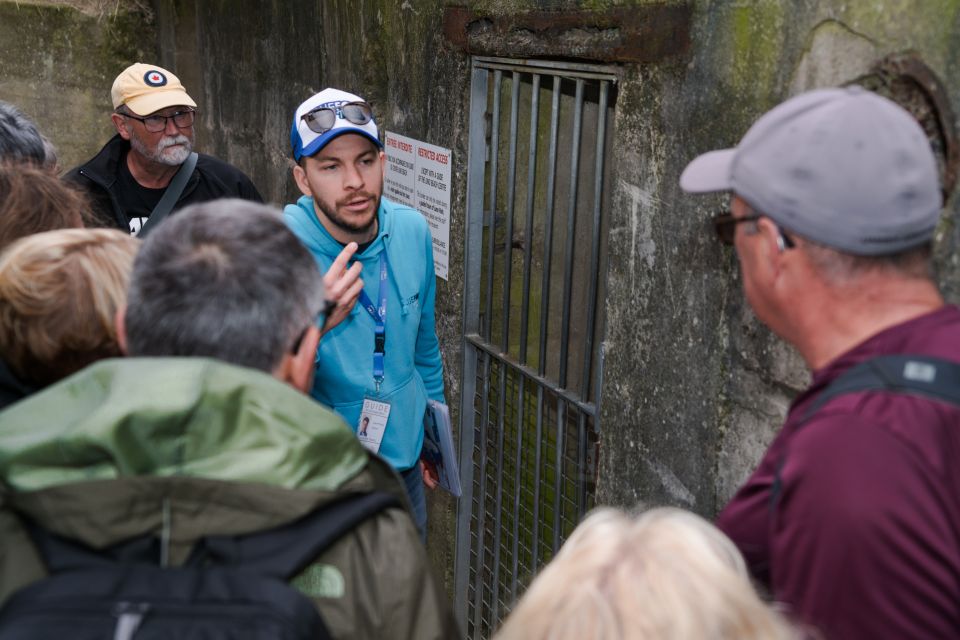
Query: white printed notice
point(418, 175)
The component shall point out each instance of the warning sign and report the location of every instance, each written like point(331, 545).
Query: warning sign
point(418, 175)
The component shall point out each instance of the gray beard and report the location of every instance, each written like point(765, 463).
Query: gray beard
point(163, 154)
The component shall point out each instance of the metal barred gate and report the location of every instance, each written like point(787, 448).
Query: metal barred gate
point(534, 286)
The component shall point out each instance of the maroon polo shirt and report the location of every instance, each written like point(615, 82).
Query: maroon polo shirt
point(864, 540)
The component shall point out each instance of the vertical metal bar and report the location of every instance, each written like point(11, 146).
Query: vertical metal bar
point(571, 231)
point(498, 524)
point(592, 285)
point(524, 322)
point(558, 473)
point(516, 487)
point(528, 235)
point(511, 197)
point(595, 241)
point(485, 414)
point(548, 223)
point(492, 203)
point(505, 338)
point(581, 464)
point(482, 505)
point(473, 249)
point(535, 534)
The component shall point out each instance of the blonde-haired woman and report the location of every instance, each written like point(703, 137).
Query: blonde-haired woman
point(59, 294)
point(664, 575)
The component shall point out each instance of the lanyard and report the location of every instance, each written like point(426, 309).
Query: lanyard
point(379, 315)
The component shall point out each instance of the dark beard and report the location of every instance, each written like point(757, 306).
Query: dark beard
point(344, 225)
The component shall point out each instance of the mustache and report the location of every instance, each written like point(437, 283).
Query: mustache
point(170, 141)
point(356, 196)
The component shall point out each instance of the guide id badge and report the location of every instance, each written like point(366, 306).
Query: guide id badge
point(373, 423)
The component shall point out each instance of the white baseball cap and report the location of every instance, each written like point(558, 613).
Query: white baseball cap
point(306, 142)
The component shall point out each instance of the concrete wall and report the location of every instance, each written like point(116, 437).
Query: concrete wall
point(58, 61)
point(694, 384)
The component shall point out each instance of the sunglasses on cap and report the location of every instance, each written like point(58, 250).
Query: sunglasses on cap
point(322, 119)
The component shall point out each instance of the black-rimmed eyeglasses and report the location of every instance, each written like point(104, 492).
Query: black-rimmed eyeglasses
point(157, 123)
point(322, 119)
point(725, 225)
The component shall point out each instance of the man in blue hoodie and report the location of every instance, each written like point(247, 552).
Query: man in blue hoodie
point(382, 362)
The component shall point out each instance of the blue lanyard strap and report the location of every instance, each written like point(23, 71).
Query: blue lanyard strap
point(379, 315)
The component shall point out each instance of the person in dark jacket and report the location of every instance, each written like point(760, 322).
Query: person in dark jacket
point(154, 119)
point(852, 517)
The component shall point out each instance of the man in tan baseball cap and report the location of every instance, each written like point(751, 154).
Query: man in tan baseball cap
point(149, 170)
point(146, 89)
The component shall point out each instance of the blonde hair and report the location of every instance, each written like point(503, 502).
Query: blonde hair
point(59, 293)
point(665, 575)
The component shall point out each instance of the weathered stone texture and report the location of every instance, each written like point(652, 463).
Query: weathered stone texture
point(694, 387)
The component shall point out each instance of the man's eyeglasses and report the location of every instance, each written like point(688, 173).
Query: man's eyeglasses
point(321, 323)
point(322, 119)
point(725, 224)
point(156, 124)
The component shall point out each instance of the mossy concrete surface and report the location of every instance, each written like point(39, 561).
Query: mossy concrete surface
point(57, 64)
point(694, 387)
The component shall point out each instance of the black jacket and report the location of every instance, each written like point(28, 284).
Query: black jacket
point(211, 179)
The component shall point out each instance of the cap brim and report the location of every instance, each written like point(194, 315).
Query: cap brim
point(321, 141)
point(155, 100)
point(708, 172)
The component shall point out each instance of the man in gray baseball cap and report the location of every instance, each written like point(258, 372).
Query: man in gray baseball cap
point(852, 517)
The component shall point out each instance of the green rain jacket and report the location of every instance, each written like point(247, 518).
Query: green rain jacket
point(192, 447)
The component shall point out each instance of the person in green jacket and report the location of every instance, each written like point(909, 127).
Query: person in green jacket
point(207, 429)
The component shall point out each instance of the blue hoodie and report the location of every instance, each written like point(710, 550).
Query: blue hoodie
point(413, 370)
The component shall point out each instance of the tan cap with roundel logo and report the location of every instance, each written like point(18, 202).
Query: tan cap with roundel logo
point(146, 89)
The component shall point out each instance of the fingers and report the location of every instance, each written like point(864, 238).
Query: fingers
point(430, 478)
point(338, 280)
point(341, 262)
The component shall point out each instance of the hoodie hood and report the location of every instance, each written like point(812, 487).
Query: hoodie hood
point(190, 417)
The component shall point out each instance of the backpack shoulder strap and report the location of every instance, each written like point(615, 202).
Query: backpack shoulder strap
point(170, 195)
point(927, 376)
point(923, 376)
point(285, 551)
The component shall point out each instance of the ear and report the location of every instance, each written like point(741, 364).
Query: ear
point(383, 165)
point(120, 325)
point(120, 123)
point(297, 368)
point(772, 241)
point(300, 177)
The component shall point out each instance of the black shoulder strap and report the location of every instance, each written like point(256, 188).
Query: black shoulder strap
point(910, 374)
point(923, 376)
point(285, 551)
point(171, 195)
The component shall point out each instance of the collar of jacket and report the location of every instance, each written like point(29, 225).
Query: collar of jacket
point(319, 240)
point(104, 167)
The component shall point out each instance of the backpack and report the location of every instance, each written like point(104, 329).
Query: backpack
point(922, 376)
point(231, 587)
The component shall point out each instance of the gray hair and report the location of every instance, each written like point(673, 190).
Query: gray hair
point(224, 279)
point(20, 140)
point(842, 268)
